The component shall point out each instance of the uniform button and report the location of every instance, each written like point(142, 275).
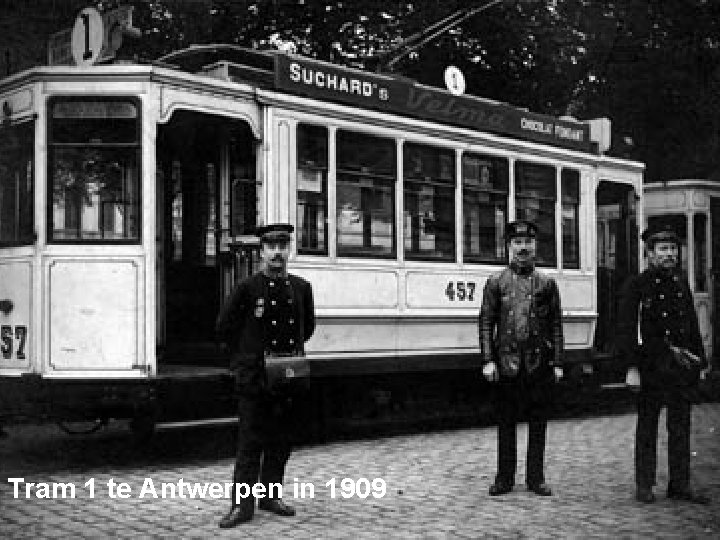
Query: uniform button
point(664, 313)
point(274, 342)
point(273, 302)
point(667, 332)
point(274, 323)
point(291, 341)
point(292, 321)
point(287, 282)
point(661, 297)
point(272, 283)
point(657, 280)
point(675, 278)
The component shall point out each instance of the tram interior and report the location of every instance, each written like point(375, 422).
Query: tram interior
point(207, 194)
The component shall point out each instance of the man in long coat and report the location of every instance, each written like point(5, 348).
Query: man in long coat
point(521, 343)
point(669, 359)
point(271, 313)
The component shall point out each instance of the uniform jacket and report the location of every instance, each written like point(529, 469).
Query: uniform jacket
point(544, 345)
point(241, 327)
point(662, 303)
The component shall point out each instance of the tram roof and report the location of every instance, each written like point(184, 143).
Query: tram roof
point(324, 81)
point(682, 183)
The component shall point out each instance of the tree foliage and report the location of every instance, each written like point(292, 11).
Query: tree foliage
point(649, 65)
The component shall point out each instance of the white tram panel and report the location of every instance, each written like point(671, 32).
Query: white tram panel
point(96, 315)
point(16, 352)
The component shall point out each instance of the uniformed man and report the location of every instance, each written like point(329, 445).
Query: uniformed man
point(271, 313)
point(521, 343)
point(669, 360)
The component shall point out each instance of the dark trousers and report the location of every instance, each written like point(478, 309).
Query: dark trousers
point(678, 426)
point(264, 443)
point(517, 400)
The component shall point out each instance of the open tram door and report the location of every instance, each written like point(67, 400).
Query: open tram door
point(617, 256)
point(207, 195)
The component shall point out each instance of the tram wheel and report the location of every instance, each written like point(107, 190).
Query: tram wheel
point(85, 427)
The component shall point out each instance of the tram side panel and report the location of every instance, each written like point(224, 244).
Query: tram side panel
point(94, 317)
point(16, 355)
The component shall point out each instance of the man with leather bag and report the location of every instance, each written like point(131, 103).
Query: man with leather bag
point(659, 336)
point(265, 323)
point(521, 342)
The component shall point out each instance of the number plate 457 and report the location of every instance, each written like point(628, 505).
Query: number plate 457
point(460, 291)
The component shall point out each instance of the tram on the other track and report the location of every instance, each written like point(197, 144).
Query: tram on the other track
point(129, 194)
point(693, 207)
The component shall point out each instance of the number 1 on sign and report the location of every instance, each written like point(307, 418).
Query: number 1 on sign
point(86, 23)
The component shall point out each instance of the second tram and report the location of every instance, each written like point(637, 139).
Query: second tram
point(693, 207)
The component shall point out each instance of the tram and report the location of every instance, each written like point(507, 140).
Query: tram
point(693, 207)
point(129, 194)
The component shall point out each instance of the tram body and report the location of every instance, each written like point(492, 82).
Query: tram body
point(693, 207)
point(130, 193)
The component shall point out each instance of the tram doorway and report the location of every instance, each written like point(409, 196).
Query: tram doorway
point(204, 163)
point(617, 258)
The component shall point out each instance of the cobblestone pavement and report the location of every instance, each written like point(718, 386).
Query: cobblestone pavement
point(436, 485)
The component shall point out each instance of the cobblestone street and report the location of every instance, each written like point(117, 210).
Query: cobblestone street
point(436, 485)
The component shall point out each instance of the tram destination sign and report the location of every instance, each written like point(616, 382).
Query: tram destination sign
point(321, 80)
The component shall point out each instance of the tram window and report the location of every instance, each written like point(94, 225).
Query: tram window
point(701, 252)
point(535, 192)
point(485, 204)
point(94, 158)
point(312, 169)
point(246, 194)
point(366, 176)
point(16, 184)
point(570, 193)
point(429, 203)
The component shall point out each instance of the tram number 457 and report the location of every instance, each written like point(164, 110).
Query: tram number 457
point(10, 336)
point(463, 291)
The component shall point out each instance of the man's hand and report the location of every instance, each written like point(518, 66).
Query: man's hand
point(558, 372)
point(490, 372)
point(632, 379)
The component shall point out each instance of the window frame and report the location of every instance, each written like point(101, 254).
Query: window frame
point(384, 179)
point(52, 146)
point(518, 165)
point(473, 259)
point(325, 189)
point(435, 182)
point(576, 203)
point(32, 238)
